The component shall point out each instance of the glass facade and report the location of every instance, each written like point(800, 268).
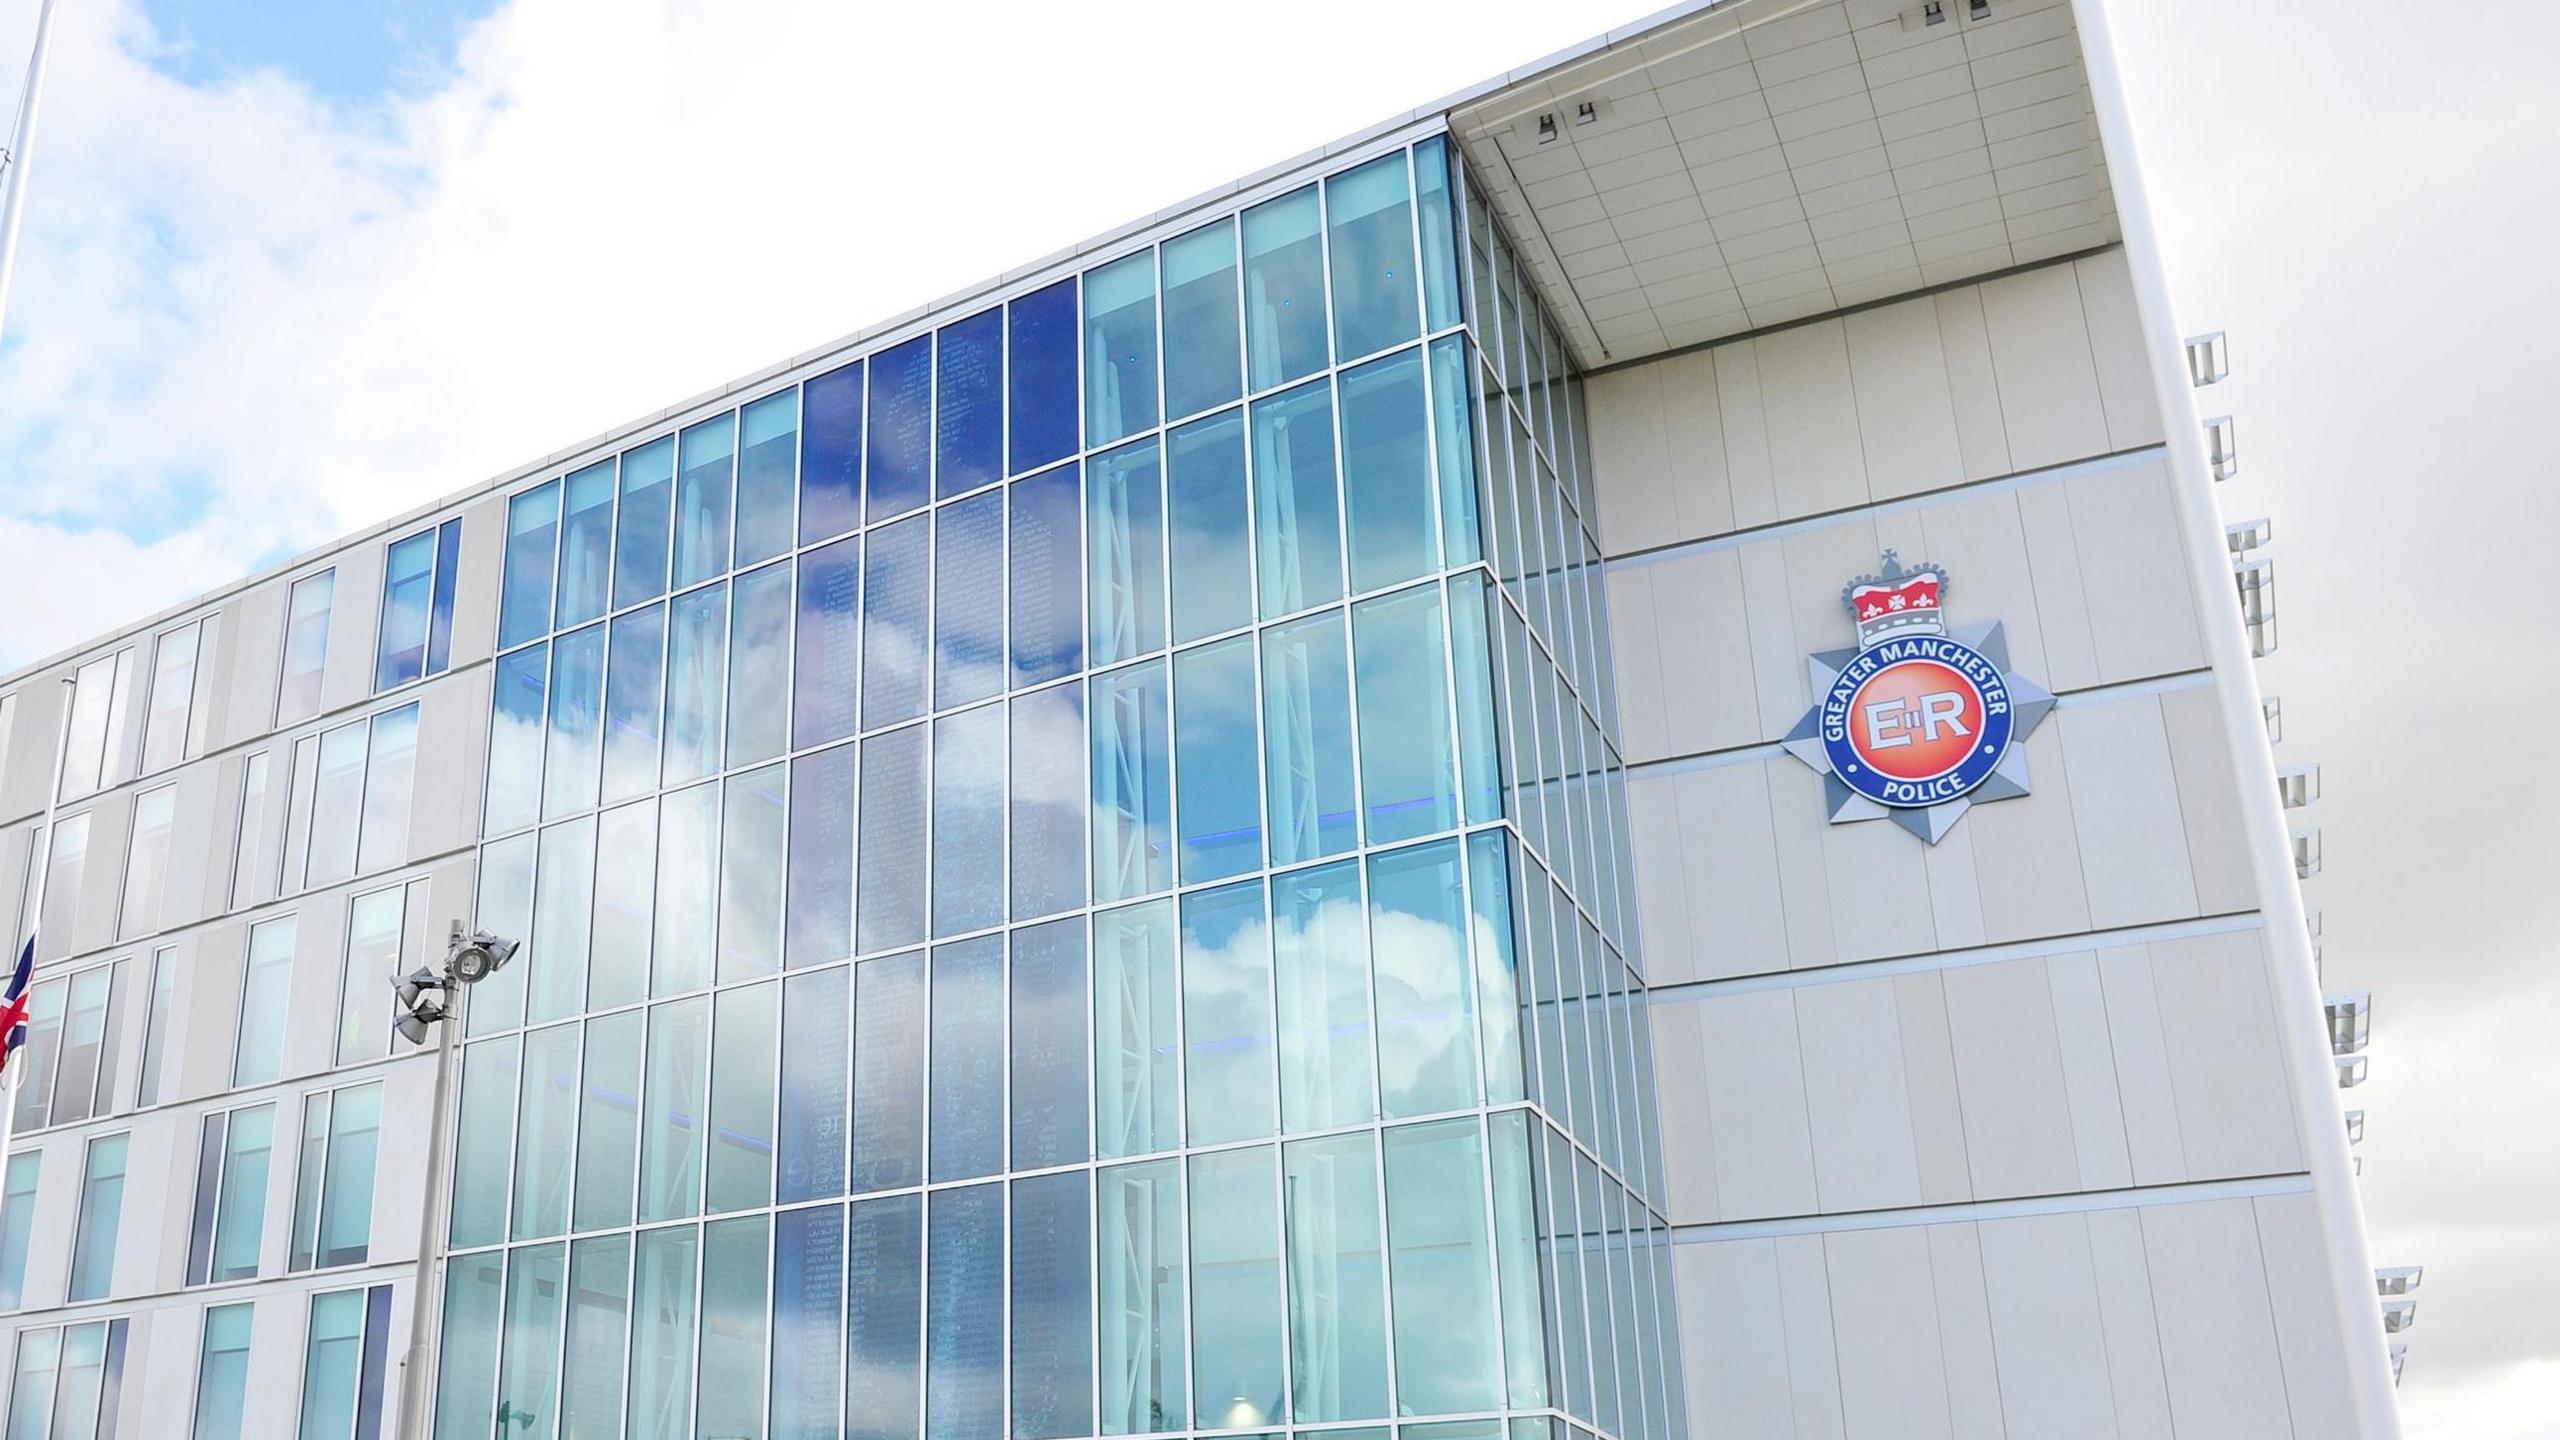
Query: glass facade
point(1071, 867)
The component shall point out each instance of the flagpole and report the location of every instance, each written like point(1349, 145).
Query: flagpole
point(13, 161)
point(42, 839)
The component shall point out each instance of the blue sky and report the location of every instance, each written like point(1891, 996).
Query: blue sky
point(350, 51)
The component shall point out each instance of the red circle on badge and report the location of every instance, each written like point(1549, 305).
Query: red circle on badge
point(1915, 720)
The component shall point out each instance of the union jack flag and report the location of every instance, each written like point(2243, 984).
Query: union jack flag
point(13, 1004)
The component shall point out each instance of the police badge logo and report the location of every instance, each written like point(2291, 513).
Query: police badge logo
point(1918, 723)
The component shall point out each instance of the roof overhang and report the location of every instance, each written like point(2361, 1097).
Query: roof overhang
point(1748, 163)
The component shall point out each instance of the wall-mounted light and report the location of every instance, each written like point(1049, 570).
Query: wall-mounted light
point(2273, 708)
point(2222, 446)
point(2355, 1127)
point(2208, 358)
point(2299, 785)
point(2350, 1020)
point(2398, 1315)
point(1932, 12)
point(2257, 582)
point(2248, 535)
point(2398, 1279)
point(2306, 853)
point(2351, 1070)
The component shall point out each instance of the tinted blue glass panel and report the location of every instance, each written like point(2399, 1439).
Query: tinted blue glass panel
point(831, 454)
point(1120, 348)
point(586, 544)
point(745, 1032)
point(827, 653)
point(1207, 503)
point(1437, 214)
point(1284, 289)
point(635, 672)
point(1386, 472)
point(1124, 524)
point(890, 890)
point(964, 1315)
point(968, 820)
point(888, 1072)
point(1425, 998)
point(1226, 1015)
point(817, 1056)
point(968, 600)
point(1203, 347)
point(808, 1323)
point(1471, 662)
point(1047, 801)
point(533, 544)
point(1052, 1308)
point(1041, 377)
point(1047, 1019)
point(1370, 211)
point(1408, 778)
point(751, 875)
point(1320, 958)
point(1136, 1023)
point(1454, 448)
point(440, 614)
point(577, 703)
point(1132, 784)
point(697, 668)
point(1306, 725)
point(819, 921)
point(968, 417)
point(968, 1058)
point(895, 582)
point(759, 664)
point(1298, 513)
point(640, 524)
point(1237, 1343)
point(515, 740)
point(884, 1319)
point(768, 465)
point(408, 590)
point(898, 447)
point(1047, 576)
point(705, 456)
point(1213, 744)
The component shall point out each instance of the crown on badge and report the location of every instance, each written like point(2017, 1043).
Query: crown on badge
point(1897, 602)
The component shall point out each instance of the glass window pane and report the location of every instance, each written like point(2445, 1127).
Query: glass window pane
point(1214, 741)
point(160, 1013)
point(1306, 726)
point(34, 1107)
point(382, 839)
point(408, 593)
point(85, 1083)
point(697, 667)
point(640, 523)
point(968, 427)
point(751, 875)
point(31, 1390)
point(1137, 1107)
point(884, 1318)
point(626, 885)
point(1454, 449)
point(733, 1330)
point(1438, 217)
point(1202, 353)
point(253, 871)
point(1320, 951)
point(1417, 940)
point(337, 806)
point(1525, 1318)
point(533, 550)
point(173, 728)
point(817, 1057)
point(760, 665)
point(888, 1072)
point(742, 1080)
point(586, 544)
point(1131, 784)
point(1499, 991)
point(1440, 1259)
point(544, 1116)
point(706, 453)
point(440, 614)
point(889, 892)
point(608, 1122)
point(1138, 1266)
point(895, 586)
point(1052, 1319)
point(1208, 503)
point(968, 600)
point(1236, 1339)
point(265, 992)
point(222, 1371)
point(1386, 472)
point(93, 1244)
point(1120, 348)
point(768, 458)
point(555, 963)
point(1047, 801)
point(17, 1221)
point(831, 454)
point(968, 1058)
point(1226, 1015)
point(529, 1356)
point(146, 862)
point(1041, 354)
point(1369, 210)
point(1047, 575)
point(241, 1213)
point(635, 678)
point(898, 447)
point(828, 654)
point(1471, 603)
point(1337, 1299)
point(599, 1318)
point(1284, 289)
point(662, 1326)
point(964, 1315)
point(818, 926)
point(346, 1203)
point(1046, 1024)
point(1297, 517)
point(486, 1141)
point(364, 1010)
point(688, 877)
point(467, 1374)
point(306, 646)
point(1408, 780)
point(671, 1125)
point(1124, 525)
point(807, 1376)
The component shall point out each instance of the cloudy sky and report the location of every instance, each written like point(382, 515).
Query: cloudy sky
point(294, 265)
